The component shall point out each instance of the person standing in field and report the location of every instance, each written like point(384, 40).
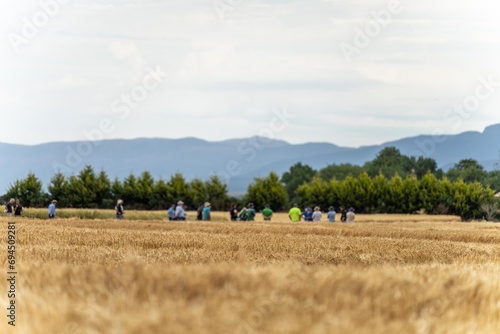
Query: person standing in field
point(119, 209)
point(52, 209)
point(316, 216)
point(206, 211)
point(343, 214)
point(199, 212)
point(294, 214)
point(331, 214)
point(233, 213)
point(267, 213)
point(251, 212)
point(350, 216)
point(9, 206)
point(19, 209)
point(171, 212)
point(180, 212)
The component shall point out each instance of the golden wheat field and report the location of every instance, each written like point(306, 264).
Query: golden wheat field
point(382, 274)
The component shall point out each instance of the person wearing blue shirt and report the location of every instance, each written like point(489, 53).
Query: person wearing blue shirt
point(119, 209)
point(52, 209)
point(206, 211)
point(171, 212)
point(307, 214)
point(180, 213)
point(331, 214)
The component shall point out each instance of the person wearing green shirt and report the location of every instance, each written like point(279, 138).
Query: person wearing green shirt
point(251, 212)
point(267, 213)
point(295, 213)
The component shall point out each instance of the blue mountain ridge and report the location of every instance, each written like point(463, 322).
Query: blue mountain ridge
point(237, 161)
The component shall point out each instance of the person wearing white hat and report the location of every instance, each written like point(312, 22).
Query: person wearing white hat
point(119, 209)
point(180, 213)
point(206, 211)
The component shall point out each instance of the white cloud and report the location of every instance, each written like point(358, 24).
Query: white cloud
point(95, 6)
point(227, 73)
point(8, 100)
point(128, 52)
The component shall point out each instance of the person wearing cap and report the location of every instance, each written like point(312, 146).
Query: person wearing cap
point(180, 213)
point(350, 215)
point(206, 211)
point(331, 214)
point(267, 213)
point(307, 214)
point(52, 209)
point(316, 216)
point(251, 212)
point(119, 209)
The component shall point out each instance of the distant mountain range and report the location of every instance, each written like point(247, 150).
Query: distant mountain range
point(238, 161)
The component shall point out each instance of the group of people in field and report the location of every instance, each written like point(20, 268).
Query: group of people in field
point(203, 213)
point(248, 213)
point(310, 215)
point(13, 208)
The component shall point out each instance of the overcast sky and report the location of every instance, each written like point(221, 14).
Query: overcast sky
point(231, 65)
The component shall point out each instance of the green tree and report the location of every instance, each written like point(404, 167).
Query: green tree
point(460, 204)
point(198, 192)
point(468, 170)
point(411, 195)
point(82, 188)
point(365, 193)
point(395, 195)
point(130, 192)
point(468, 199)
point(179, 190)
point(389, 161)
point(217, 193)
point(303, 194)
point(493, 180)
point(116, 190)
point(430, 193)
point(28, 191)
point(335, 193)
point(103, 191)
point(340, 172)
point(161, 199)
point(445, 203)
point(296, 176)
point(267, 190)
point(145, 189)
point(317, 193)
point(380, 193)
point(421, 166)
point(59, 189)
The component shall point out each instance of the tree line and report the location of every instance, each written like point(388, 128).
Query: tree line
point(390, 183)
point(89, 189)
point(389, 162)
